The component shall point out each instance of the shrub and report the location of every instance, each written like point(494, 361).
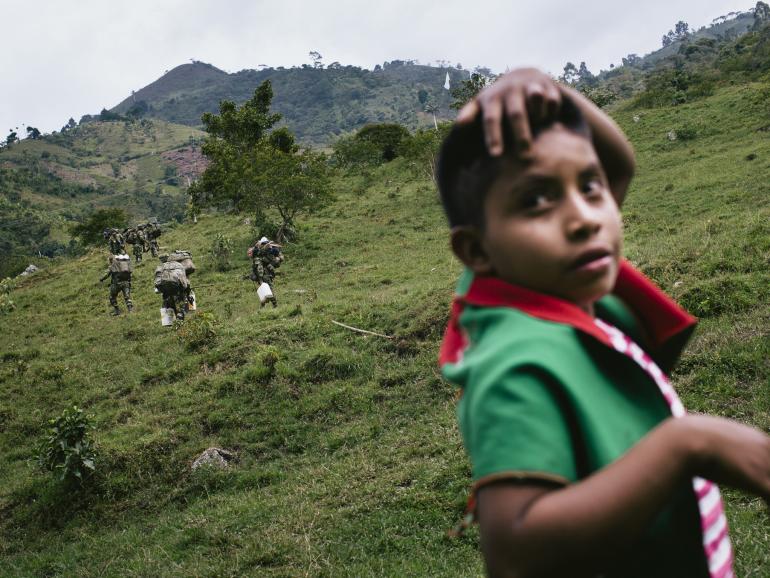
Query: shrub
point(221, 252)
point(601, 97)
point(67, 449)
point(386, 137)
point(6, 303)
point(421, 148)
point(90, 231)
point(350, 152)
point(673, 86)
point(197, 332)
point(686, 132)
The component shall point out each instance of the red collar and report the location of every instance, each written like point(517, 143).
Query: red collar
point(661, 318)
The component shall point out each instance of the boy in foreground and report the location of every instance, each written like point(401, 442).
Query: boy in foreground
point(584, 461)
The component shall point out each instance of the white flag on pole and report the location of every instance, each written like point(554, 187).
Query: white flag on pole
point(446, 82)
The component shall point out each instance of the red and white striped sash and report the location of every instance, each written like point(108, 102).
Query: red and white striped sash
point(716, 542)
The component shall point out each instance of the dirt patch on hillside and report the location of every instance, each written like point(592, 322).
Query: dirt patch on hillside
point(70, 174)
point(189, 162)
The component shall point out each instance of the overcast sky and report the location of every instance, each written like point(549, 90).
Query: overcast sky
point(67, 58)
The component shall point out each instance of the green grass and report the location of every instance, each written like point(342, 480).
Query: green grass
point(349, 459)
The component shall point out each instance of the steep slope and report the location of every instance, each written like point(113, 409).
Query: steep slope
point(349, 461)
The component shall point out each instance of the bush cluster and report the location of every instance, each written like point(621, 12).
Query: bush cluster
point(221, 252)
point(197, 332)
point(67, 449)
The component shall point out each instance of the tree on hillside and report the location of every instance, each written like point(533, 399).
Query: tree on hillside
point(108, 116)
point(70, 125)
point(316, 57)
point(632, 60)
point(12, 137)
point(291, 183)
point(432, 109)
point(386, 137)
point(570, 74)
point(468, 89)
point(585, 76)
point(680, 32)
point(761, 15)
point(90, 231)
point(33, 133)
point(254, 169)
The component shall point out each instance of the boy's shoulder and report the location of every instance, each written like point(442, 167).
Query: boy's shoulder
point(504, 340)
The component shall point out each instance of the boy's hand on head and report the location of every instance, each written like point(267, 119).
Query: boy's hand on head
point(521, 97)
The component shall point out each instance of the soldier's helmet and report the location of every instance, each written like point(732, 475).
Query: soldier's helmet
point(106, 233)
point(263, 241)
point(163, 258)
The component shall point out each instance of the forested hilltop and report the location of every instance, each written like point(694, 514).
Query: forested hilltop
point(317, 102)
point(320, 101)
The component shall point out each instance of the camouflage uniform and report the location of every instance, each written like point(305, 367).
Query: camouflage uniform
point(117, 243)
point(118, 286)
point(152, 233)
point(139, 243)
point(135, 237)
point(176, 298)
point(265, 260)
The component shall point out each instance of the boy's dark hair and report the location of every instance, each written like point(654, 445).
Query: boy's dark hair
point(466, 171)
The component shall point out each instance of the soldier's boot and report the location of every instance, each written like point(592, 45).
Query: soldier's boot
point(115, 311)
point(275, 302)
point(130, 307)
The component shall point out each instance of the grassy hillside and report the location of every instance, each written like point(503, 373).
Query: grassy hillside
point(349, 460)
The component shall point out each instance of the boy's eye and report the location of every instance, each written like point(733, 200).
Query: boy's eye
point(535, 200)
point(592, 185)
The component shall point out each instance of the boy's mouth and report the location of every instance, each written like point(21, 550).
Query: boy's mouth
point(592, 260)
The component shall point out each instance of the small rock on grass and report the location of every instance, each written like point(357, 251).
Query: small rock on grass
point(216, 457)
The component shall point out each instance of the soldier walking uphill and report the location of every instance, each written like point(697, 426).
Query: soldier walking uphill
point(266, 257)
point(135, 236)
point(151, 233)
point(115, 240)
point(172, 283)
point(119, 272)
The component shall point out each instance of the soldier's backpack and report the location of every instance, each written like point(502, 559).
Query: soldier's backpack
point(131, 236)
point(121, 267)
point(153, 231)
point(276, 256)
point(170, 277)
point(185, 258)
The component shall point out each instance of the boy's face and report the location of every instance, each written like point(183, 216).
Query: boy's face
point(551, 224)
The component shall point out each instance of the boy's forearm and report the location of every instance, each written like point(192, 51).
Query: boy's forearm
point(589, 522)
point(613, 148)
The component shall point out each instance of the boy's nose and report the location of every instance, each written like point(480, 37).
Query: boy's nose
point(581, 219)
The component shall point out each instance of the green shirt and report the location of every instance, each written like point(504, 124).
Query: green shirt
point(546, 399)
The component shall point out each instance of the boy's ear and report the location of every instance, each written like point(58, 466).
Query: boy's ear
point(467, 246)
